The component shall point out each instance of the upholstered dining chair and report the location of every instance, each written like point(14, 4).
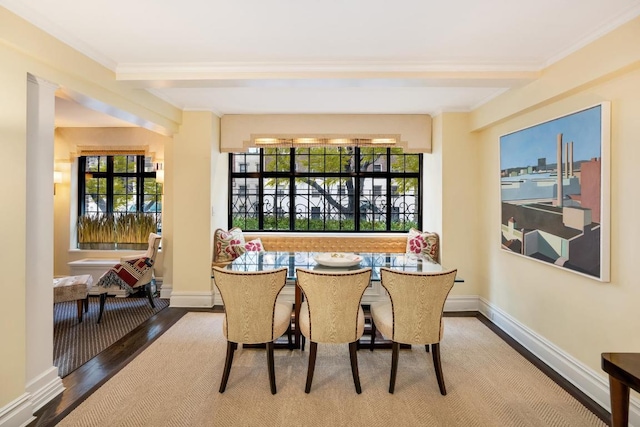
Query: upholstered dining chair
point(413, 315)
point(252, 313)
point(331, 312)
point(132, 273)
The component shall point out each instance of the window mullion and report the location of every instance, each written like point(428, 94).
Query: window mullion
point(140, 183)
point(292, 189)
point(261, 191)
point(388, 195)
point(82, 185)
point(356, 190)
point(110, 178)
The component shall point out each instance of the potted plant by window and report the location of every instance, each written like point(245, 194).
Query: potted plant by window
point(124, 231)
point(132, 230)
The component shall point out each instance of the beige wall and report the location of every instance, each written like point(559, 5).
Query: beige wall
point(191, 208)
point(581, 316)
point(13, 137)
point(461, 202)
point(25, 49)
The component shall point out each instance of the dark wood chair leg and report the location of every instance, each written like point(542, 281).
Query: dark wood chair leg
point(103, 299)
point(272, 371)
point(148, 288)
point(303, 341)
point(231, 347)
point(353, 355)
point(79, 304)
point(426, 347)
point(394, 366)
point(373, 335)
point(86, 304)
point(289, 338)
point(313, 349)
point(438, 367)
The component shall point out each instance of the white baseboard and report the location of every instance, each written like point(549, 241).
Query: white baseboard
point(461, 303)
point(192, 299)
point(165, 291)
point(594, 384)
point(44, 388)
point(17, 413)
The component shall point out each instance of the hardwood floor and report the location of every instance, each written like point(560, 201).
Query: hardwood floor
point(90, 376)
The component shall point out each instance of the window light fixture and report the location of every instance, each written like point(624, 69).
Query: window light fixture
point(380, 140)
point(159, 173)
point(57, 179)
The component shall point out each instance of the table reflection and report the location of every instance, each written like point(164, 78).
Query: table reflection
point(261, 261)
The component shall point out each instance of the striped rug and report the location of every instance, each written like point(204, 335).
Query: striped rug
point(75, 343)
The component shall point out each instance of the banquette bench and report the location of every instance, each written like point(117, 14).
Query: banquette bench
point(396, 243)
point(380, 243)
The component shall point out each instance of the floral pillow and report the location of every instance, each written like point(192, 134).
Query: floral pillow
point(228, 245)
point(254, 245)
point(423, 243)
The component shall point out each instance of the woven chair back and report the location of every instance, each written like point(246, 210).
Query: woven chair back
point(333, 300)
point(417, 301)
point(249, 300)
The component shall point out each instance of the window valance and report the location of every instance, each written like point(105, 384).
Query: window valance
point(239, 132)
point(115, 150)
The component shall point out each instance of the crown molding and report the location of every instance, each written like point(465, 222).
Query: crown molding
point(38, 20)
point(626, 16)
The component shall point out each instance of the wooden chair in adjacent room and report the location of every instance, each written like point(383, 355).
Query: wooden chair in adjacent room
point(331, 312)
point(413, 315)
point(252, 313)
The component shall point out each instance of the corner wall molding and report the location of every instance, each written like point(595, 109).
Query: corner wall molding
point(44, 388)
point(593, 384)
point(17, 412)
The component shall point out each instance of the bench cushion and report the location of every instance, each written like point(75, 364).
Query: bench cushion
point(71, 288)
point(319, 243)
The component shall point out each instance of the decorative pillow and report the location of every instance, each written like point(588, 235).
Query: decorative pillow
point(254, 245)
point(228, 245)
point(423, 243)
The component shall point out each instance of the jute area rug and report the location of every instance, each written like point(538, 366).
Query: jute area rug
point(75, 343)
point(175, 382)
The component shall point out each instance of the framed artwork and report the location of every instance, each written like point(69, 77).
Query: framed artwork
point(554, 192)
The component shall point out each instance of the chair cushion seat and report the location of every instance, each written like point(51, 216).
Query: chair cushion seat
point(281, 319)
point(382, 315)
point(305, 326)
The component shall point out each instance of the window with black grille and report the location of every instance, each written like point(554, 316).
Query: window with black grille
point(354, 189)
point(118, 185)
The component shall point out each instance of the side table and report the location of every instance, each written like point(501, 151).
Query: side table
point(624, 373)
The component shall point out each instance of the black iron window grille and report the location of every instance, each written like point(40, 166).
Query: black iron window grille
point(351, 189)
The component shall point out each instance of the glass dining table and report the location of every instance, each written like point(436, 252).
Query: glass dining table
point(263, 261)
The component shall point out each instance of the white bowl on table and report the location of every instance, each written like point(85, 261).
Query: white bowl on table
point(337, 259)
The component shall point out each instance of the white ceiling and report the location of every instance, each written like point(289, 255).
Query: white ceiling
point(332, 56)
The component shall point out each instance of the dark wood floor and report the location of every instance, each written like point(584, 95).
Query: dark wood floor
point(89, 377)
